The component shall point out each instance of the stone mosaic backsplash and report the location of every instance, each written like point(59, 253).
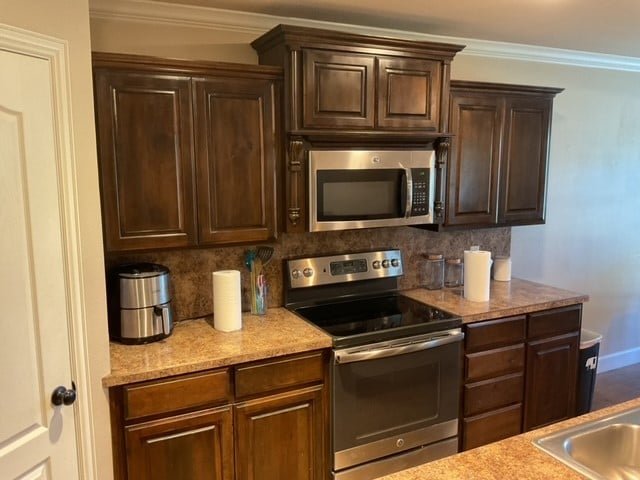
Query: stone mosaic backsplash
point(192, 288)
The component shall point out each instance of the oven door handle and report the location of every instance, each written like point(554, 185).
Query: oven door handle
point(451, 336)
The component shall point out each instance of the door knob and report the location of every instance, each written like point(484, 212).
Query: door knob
point(62, 395)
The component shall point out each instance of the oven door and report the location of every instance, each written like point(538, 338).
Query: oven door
point(393, 396)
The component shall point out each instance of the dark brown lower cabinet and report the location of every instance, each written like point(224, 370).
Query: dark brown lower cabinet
point(493, 380)
point(278, 437)
point(263, 420)
point(552, 368)
point(520, 374)
point(193, 446)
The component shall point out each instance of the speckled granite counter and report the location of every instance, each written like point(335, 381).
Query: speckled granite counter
point(514, 457)
point(506, 298)
point(195, 345)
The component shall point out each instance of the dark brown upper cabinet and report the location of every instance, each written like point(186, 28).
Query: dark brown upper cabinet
point(335, 90)
point(235, 160)
point(344, 82)
point(188, 151)
point(497, 166)
point(145, 149)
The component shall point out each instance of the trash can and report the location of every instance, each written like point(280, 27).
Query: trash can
point(588, 363)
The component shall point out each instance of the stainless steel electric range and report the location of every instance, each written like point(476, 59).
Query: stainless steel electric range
point(395, 366)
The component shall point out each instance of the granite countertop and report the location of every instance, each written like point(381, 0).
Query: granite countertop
point(195, 345)
point(506, 298)
point(514, 457)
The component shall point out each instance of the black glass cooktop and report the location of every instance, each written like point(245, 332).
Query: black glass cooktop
point(365, 320)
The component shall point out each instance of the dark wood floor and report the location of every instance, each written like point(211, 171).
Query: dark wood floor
point(616, 386)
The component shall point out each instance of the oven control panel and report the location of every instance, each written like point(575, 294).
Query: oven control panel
point(314, 271)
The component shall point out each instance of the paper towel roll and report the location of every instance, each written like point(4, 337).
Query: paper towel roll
point(477, 275)
point(502, 269)
point(227, 300)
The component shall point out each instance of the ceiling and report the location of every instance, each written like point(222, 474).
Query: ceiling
point(597, 26)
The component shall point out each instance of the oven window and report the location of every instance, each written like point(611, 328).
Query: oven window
point(359, 194)
point(377, 399)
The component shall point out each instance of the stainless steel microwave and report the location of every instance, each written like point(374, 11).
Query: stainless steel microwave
point(351, 189)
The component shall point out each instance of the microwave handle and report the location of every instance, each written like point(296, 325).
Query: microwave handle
point(406, 192)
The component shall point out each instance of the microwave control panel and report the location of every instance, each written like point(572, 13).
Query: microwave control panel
point(420, 191)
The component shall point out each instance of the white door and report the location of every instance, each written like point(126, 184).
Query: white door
point(37, 440)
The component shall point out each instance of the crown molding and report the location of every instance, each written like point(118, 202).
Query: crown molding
point(146, 11)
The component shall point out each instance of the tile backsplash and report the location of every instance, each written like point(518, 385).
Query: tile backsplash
point(191, 269)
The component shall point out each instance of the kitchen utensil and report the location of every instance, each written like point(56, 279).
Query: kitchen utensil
point(264, 253)
point(249, 257)
point(253, 261)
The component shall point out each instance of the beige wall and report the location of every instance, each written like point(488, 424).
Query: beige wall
point(590, 241)
point(172, 41)
point(69, 20)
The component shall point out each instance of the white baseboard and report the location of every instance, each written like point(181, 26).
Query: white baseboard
point(618, 360)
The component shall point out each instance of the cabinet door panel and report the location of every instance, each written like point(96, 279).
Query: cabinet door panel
point(409, 93)
point(196, 446)
point(524, 167)
point(236, 160)
point(474, 158)
point(144, 131)
point(552, 366)
point(337, 90)
point(281, 437)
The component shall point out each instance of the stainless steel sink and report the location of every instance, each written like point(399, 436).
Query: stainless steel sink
point(608, 448)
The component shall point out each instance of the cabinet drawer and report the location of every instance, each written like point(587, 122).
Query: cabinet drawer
point(494, 393)
point(491, 426)
point(503, 331)
point(269, 376)
point(179, 393)
point(493, 363)
point(554, 322)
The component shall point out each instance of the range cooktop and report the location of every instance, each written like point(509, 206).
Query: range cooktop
point(377, 318)
point(354, 298)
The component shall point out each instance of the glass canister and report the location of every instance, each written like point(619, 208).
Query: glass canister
point(434, 271)
point(453, 272)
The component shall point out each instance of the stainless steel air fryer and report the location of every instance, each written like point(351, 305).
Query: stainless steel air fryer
point(139, 303)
